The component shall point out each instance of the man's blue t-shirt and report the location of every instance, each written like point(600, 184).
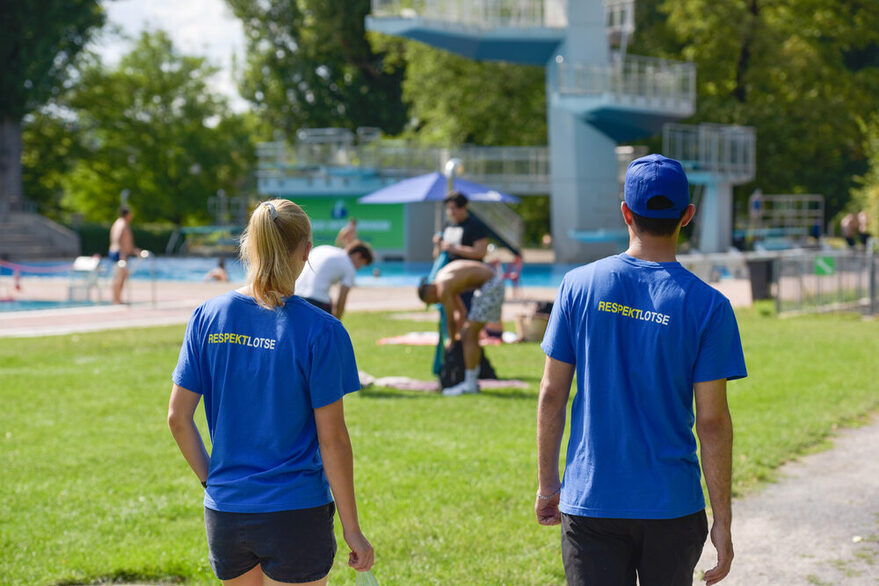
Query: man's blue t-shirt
point(640, 334)
point(262, 373)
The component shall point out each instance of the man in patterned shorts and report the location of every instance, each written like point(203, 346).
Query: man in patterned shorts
point(460, 276)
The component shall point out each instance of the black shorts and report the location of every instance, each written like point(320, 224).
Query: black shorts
point(325, 306)
point(291, 546)
point(610, 552)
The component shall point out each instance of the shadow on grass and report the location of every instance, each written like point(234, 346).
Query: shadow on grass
point(125, 577)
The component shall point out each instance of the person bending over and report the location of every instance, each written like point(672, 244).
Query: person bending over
point(272, 370)
point(457, 277)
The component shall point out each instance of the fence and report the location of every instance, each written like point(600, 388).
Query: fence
point(823, 281)
point(728, 151)
point(633, 80)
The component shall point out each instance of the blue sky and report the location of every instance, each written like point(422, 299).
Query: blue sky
point(197, 27)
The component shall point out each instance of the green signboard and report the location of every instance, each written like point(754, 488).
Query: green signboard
point(825, 266)
point(381, 226)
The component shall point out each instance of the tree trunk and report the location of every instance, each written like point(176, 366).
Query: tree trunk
point(11, 190)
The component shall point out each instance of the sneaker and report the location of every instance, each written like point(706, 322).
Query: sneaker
point(460, 389)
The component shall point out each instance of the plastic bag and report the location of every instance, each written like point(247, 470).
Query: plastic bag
point(365, 579)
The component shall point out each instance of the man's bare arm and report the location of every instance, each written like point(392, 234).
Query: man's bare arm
point(450, 304)
point(476, 251)
point(555, 387)
point(341, 298)
point(715, 430)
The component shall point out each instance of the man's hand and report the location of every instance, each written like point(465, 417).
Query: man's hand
point(721, 537)
point(547, 510)
point(446, 246)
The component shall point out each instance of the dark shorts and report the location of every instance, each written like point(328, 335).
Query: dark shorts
point(610, 552)
point(291, 546)
point(325, 306)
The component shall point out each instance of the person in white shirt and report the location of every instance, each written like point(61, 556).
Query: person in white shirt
point(328, 265)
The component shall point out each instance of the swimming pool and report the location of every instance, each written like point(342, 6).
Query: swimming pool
point(192, 269)
point(26, 305)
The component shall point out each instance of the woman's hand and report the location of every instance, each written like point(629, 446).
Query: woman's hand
point(362, 555)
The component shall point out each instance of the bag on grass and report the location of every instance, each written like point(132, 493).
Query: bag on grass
point(452, 370)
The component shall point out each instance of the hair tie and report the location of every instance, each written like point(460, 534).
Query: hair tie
point(272, 211)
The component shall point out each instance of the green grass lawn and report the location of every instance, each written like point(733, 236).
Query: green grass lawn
point(93, 487)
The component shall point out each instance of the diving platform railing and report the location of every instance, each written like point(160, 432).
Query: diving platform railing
point(638, 82)
point(727, 152)
point(520, 170)
point(484, 14)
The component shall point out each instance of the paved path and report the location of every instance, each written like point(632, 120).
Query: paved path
point(818, 525)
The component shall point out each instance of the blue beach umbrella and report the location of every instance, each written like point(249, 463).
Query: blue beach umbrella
point(434, 187)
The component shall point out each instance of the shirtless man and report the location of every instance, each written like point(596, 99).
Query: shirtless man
point(457, 277)
point(121, 249)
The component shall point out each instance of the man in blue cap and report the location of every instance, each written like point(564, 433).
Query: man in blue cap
point(644, 336)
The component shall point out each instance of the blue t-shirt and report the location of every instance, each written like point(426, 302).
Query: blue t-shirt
point(639, 334)
point(262, 373)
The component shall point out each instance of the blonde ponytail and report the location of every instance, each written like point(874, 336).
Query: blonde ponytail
point(277, 228)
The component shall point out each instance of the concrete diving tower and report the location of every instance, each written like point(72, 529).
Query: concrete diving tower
point(597, 97)
point(716, 157)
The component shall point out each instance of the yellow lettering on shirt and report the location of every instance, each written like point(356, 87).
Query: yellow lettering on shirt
point(241, 340)
point(635, 313)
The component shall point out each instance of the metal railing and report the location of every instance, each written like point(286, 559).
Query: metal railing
point(478, 14)
point(728, 151)
point(633, 80)
point(790, 216)
point(824, 281)
point(620, 18)
point(518, 169)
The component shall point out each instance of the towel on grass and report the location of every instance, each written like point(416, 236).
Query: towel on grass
point(405, 383)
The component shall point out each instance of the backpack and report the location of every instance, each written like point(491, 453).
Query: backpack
point(452, 370)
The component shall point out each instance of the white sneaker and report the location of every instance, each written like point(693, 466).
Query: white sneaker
point(460, 389)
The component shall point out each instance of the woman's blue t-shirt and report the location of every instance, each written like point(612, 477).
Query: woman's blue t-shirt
point(639, 334)
point(262, 373)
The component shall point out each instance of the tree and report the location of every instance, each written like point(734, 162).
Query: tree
point(40, 41)
point(152, 126)
point(865, 196)
point(453, 100)
point(309, 65)
point(803, 73)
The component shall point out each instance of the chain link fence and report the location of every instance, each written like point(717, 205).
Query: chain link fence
point(821, 281)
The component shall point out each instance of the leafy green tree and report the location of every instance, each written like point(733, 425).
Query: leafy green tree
point(151, 126)
point(803, 73)
point(453, 100)
point(39, 42)
point(309, 65)
point(865, 197)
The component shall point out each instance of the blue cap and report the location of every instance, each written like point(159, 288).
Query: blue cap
point(655, 175)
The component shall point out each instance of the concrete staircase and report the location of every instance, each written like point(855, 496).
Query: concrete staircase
point(26, 236)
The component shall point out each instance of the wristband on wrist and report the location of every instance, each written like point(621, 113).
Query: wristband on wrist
point(546, 497)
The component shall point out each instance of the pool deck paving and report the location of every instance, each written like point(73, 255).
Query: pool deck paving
point(172, 302)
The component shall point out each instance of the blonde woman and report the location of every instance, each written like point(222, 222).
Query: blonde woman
point(272, 370)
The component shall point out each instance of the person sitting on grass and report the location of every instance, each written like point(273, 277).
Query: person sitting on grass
point(457, 277)
point(273, 370)
point(327, 266)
